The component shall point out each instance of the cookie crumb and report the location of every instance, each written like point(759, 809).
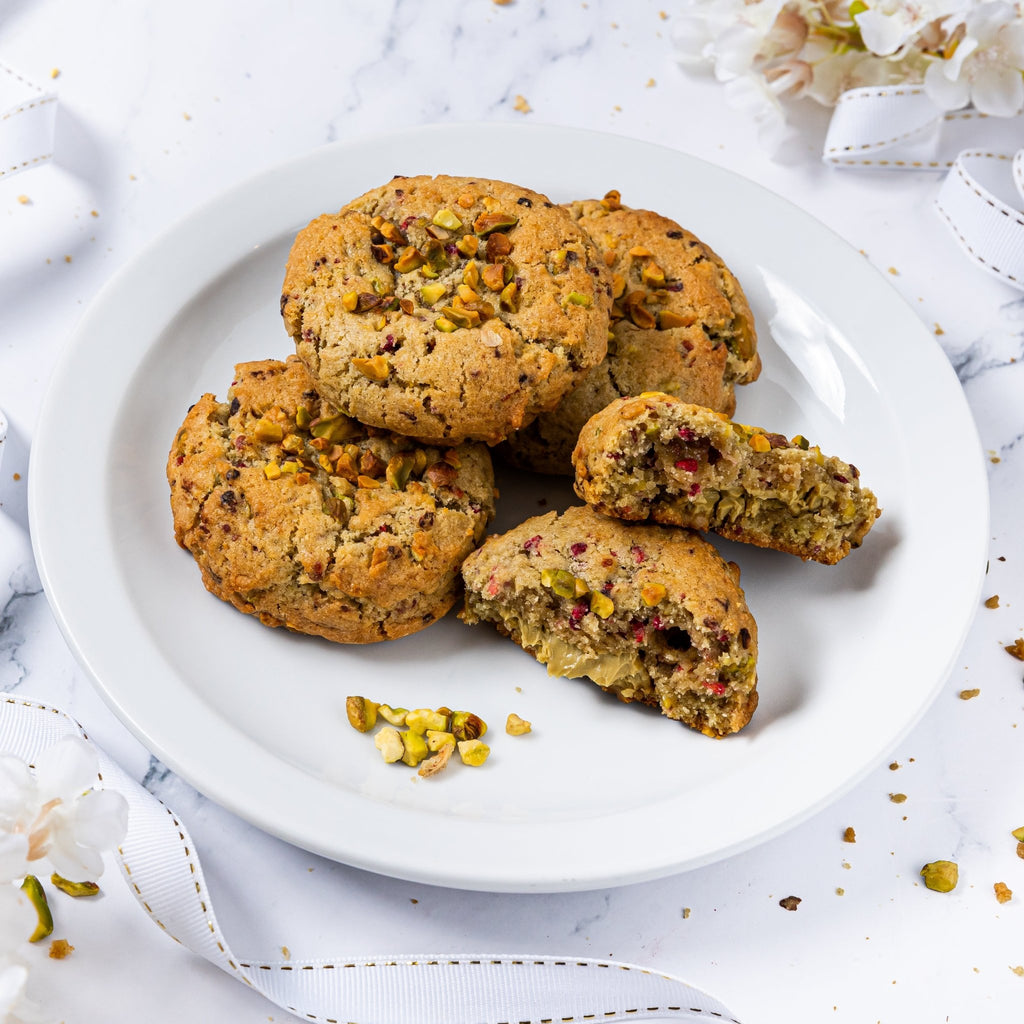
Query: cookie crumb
point(651, 83)
point(286, 953)
point(686, 913)
point(522, 105)
point(1016, 648)
point(67, 259)
point(849, 836)
point(790, 902)
point(55, 73)
point(24, 200)
point(16, 476)
point(894, 766)
point(187, 116)
point(992, 602)
point(898, 798)
point(939, 330)
point(60, 949)
point(894, 272)
point(501, 3)
point(846, 865)
point(840, 891)
point(1018, 970)
point(1003, 893)
point(663, 15)
point(969, 694)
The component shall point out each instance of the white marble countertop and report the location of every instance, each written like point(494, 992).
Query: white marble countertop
point(161, 108)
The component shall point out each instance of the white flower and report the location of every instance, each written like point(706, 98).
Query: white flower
point(889, 25)
point(55, 813)
point(986, 68)
point(15, 1006)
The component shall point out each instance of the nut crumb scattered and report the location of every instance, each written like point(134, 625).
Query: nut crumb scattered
point(24, 199)
point(849, 835)
point(894, 272)
point(894, 766)
point(187, 116)
point(501, 3)
point(846, 865)
point(790, 902)
point(16, 476)
point(1018, 970)
point(522, 105)
point(67, 259)
point(898, 798)
point(663, 15)
point(686, 913)
point(286, 953)
point(651, 83)
point(1020, 850)
point(1016, 648)
point(969, 694)
point(992, 602)
point(941, 875)
point(840, 891)
point(55, 73)
point(1003, 893)
point(939, 330)
point(60, 949)
point(516, 726)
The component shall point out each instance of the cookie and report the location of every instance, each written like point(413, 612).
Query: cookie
point(680, 324)
point(300, 516)
point(447, 308)
point(656, 457)
point(649, 613)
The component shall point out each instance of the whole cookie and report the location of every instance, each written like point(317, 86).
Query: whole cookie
point(680, 324)
point(447, 308)
point(304, 518)
point(649, 613)
point(655, 457)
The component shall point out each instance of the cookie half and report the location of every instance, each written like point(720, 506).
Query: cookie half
point(447, 308)
point(680, 323)
point(656, 457)
point(299, 515)
point(649, 613)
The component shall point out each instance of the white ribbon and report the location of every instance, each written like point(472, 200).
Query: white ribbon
point(980, 199)
point(160, 864)
point(27, 119)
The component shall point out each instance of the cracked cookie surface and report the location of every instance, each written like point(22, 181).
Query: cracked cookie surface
point(303, 517)
point(656, 457)
point(447, 308)
point(680, 323)
point(651, 614)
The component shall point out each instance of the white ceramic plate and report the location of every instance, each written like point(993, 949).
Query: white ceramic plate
point(600, 793)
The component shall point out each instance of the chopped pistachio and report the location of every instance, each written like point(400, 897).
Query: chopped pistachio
point(760, 443)
point(268, 430)
point(350, 300)
point(431, 293)
point(578, 299)
point(396, 716)
point(601, 604)
point(414, 747)
point(389, 742)
point(409, 259)
point(652, 275)
point(446, 219)
point(473, 752)
point(422, 719)
point(940, 875)
point(362, 713)
point(467, 726)
point(468, 245)
point(74, 888)
point(436, 763)
point(1018, 834)
point(652, 593)
point(272, 471)
point(399, 469)
point(667, 320)
point(376, 368)
point(496, 221)
point(37, 897)
point(516, 726)
point(437, 738)
point(509, 298)
point(444, 324)
point(460, 317)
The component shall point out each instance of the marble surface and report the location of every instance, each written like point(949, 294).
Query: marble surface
point(163, 107)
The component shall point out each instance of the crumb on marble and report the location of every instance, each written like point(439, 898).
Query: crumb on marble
point(894, 272)
point(55, 73)
point(663, 15)
point(187, 116)
point(969, 694)
point(939, 330)
point(790, 902)
point(1016, 648)
point(16, 476)
point(846, 865)
point(1018, 970)
point(686, 913)
point(501, 3)
point(60, 949)
point(522, 105)
point(286, 953)
point(412, 899)
point(24, 200)
point(894, 766)
point(898, 798)
point(992, 602)
point(840, 891)
point(67, 259)
point(651, 83)
point(1003, 893)
point(849, 835)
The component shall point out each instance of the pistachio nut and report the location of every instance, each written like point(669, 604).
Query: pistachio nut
point(362, 713)
point(516, 726)
point(389, 742)
point(37, 897)
point(73, 888)
point(473, 752)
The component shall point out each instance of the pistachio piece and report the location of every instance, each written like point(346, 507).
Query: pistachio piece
point(362, 713)
point(499, 245)
point(395, 716)
point(389, 742)
point(268, 430)
point(432, 765)
point(516, 726)
point(446, 219)
point(493, 276)
point(471, 275)
point(485, 223)
point(562, 582)
point(399, 470)
point(37, 897)
point(652, 275)
point(422, 719)
point(392, 232)
point(652, 594)
point(333, 428)
point(376, 368)
point(468, 245)
point(73, 888)
point(436, 739)
point(577, 299)
point(437, 258)
point(414, 747)
point(473, 752)
point(442, 323)
point(430, 293)
point(637, 311)
point(941, 875)
point(384, 253)
point(349, 301)
point(618, 286)
point(601, 604)
point(1018, 834)
point(409, 259)
point(760, 443)
point(612, 200)
point(667, 320)
point(272, 471)
point(509, 298)
point(467, 726)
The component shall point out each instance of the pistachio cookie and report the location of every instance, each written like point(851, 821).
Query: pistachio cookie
point(680, 323)
point(656, 457)
point(649, 613)
point(447, 308)
point(298, 515)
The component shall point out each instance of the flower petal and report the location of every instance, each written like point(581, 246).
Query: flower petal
point(66, 769)
point(13, 856)
point(101, 819)
point(998, 91)
point(946, 93)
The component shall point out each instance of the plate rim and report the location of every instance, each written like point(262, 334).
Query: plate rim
point(488, 880)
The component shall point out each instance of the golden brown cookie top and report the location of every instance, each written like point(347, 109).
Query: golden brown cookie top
point(447, 308)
